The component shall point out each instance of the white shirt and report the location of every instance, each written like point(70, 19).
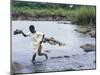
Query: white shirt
point(36, 38)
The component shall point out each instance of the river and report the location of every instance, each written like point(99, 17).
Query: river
point(61, 58)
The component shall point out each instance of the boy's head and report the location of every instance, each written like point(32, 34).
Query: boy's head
point(32, 29)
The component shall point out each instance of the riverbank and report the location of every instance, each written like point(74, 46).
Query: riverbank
point(38, 18)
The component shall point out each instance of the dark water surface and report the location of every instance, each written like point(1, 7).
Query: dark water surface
point(61, 58)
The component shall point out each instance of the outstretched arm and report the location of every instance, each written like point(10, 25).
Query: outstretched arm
point(24, 34)
point(52, 41)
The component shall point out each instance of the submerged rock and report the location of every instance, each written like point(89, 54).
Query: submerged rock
point(66, 56)
point(60, 57)
point(57, 57)
point(88, 47)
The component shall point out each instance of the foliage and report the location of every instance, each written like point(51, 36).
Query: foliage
point(79, 14)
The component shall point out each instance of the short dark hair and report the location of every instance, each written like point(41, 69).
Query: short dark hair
point(32, 28)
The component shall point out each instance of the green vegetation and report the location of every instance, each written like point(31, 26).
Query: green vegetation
point(85, 15)
point(82, 15)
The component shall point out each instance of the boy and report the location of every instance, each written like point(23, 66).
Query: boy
point(37, 41)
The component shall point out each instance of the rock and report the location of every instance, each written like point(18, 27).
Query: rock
point(66, 56)
point(82, 30)
point(56, 57)
point(92, 33)
point(87, 30)
point(59, 57)
point(88, 47)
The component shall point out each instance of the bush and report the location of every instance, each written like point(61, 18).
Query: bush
point(85, 16)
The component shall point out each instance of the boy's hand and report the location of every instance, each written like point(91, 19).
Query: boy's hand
point(17, 32)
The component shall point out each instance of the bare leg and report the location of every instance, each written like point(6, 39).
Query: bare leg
point(41, 54)
point(33, 58)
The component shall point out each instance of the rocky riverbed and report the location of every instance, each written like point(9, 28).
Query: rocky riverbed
point(78, 53)
point(90, 30)
point(88, 47)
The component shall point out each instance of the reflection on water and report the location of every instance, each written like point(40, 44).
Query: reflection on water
point(22, 50)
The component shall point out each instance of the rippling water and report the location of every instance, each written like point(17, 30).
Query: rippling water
point(77, 60)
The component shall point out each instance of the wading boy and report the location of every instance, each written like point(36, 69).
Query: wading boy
point(37, 41)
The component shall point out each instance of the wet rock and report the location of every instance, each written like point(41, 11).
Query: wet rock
point(66, 56)
point(59, 57)
point(88, 47)
point(56, 57)
point(92, 33)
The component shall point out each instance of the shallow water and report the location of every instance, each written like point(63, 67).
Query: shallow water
point(61, 58)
